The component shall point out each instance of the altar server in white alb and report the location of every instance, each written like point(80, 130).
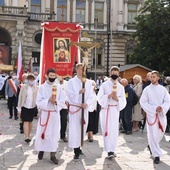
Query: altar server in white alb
point(50, 100)
point(155, 101)
point(74, 92)
point(111, 97)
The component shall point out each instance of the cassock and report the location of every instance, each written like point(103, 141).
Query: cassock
point(109, 114)
point(48, 127)
point(75, 110)
point(152, 97)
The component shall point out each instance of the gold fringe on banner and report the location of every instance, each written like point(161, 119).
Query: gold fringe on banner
point(65, 30)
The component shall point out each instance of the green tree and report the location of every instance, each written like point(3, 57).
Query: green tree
point(153, 36)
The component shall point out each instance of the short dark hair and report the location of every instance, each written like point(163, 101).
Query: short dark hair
point(30, 76)
point(51, 70)
point(114, 68)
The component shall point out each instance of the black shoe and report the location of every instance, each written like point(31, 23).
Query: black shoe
point(156, 160)
point(27, 140)
point(64, 139)
point(110, 154)
point(16, 118)
point(40, 155)
point(76, 157)
point(54, 160)
point(21, 131)
point(149, 149)
point(10, 117)
point(123, 131)
point(91, 140)
point(128, 133)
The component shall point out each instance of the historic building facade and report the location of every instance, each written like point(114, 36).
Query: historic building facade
point(110, 22)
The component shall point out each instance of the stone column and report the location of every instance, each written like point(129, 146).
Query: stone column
point(120, 16)
point(68, 11)
point(92, 13)
point(74, 11)
point(86, 12)
point(126, 14)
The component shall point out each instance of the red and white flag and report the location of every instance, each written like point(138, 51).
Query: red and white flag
point(19, 63)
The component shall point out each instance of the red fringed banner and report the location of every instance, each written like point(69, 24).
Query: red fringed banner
point(56, 51)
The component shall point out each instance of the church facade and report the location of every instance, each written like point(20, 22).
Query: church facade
point(110, 22)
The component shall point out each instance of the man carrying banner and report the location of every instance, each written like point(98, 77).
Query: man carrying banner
point(50, 100)
point(74, 92)
point(11, 94)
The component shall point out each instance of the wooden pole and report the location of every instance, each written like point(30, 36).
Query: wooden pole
point(83, 98)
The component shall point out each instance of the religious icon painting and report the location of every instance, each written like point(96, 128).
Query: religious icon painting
point(61, 50)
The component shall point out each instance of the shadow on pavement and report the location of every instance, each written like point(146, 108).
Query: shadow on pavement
point(111, 164)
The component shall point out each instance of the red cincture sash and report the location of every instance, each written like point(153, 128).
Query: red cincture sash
point(11, 83)
point(107, 115)
point(159, 123)
point(46, 123)
point(73, 112)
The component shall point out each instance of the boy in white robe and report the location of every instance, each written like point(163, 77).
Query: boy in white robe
point(48, 128)
point(155, 101)
point(74, 92)
point(111, 97)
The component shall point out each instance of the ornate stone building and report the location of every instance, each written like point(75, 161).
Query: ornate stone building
point(110, 22)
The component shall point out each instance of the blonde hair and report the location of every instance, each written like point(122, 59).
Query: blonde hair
point(138, 77)
point(79, 65)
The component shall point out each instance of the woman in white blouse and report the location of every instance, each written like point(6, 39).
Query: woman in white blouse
point(27, 105)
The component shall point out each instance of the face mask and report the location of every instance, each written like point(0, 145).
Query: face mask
point(25, 81)
point(14, 77)
point(114, 77)
point(51, 79)
point(31, 83)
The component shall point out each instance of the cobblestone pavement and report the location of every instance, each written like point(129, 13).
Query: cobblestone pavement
point(132, 153)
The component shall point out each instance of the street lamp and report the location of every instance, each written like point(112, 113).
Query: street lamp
point(95, 21)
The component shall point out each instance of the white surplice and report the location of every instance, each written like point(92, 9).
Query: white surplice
point(52, 133)
point(74, 98)
point(152, 97)
point(113, 108)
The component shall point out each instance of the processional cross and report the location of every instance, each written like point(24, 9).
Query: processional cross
point(62, 12)
point(84, 45)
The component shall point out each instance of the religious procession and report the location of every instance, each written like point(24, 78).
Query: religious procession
point(73, 100)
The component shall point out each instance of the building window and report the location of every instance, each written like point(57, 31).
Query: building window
point(2, 3)
point(62, 10)
point(98, 57)
point(129, 55)
point(99, 11)
point(80, 11)
point(37, 38)
point(36, 6)
point(132, 12)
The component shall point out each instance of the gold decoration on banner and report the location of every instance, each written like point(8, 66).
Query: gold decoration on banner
point(62, 30)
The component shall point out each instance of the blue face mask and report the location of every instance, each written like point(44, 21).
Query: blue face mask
point(31, 83)
point(25, 81)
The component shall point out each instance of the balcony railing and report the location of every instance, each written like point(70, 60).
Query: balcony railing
point(41, 16)
point(10, 10)
point(23, 12)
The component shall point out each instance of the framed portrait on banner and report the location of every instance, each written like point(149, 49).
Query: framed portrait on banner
point(61, 50)
point(4, 55)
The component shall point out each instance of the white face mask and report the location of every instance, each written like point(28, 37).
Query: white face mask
point(14, 77)
point(31, 83)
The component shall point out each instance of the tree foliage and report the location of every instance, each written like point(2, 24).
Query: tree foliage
point(153, 36)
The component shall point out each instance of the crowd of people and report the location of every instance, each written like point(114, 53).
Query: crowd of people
point(112, 99)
